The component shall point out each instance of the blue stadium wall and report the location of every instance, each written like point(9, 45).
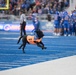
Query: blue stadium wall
point(15, 26)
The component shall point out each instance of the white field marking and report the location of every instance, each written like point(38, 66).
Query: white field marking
point(10, 44)
point(8, 65)
point(17, 38)
point(7, 33)
point(26, 62)
point(13, 64)
point(9, 38)
point(62, 46)
point(12, 54)
point(12, 32)
point(22, 61)
point(5, 67)
point(50, 36)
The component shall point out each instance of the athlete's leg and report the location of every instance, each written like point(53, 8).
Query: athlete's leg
point(20, 46)
point(19, 39)
point(24, 43)
point(20, 30)
point(24, 26)
point(41, 43)
point(41, 46)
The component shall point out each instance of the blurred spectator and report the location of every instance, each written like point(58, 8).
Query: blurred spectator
point(66, 3)
point(2, 3)
point(40, 6)
point(15, 11)
point(49, 17)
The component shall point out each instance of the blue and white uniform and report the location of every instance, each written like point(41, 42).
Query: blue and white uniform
point(57, 20)
point(73, 22)
point(36, 24)
point(66, 23)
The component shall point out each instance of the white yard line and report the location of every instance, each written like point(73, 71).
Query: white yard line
point(18, 37)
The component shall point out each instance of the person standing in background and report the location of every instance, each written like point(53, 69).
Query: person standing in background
point(57, 19)
point(66, 23)
point(22, 23)
point(36, 24)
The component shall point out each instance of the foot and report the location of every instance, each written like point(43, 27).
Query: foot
point(17, 42)
point(44, 47)
point(23, 51)
point(19, 48)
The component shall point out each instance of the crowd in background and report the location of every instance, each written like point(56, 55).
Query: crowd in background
point(2, 3)
point(64, 23)
point(38, 6)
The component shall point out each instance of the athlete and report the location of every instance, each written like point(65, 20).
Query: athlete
point(57, 23)
point(66, 23)
point(73, 23)
point(36, 24)
point(30, 40)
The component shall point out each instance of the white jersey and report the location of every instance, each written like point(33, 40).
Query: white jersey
point(22, 18)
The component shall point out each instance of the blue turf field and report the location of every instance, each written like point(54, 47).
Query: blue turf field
point(12, 57)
